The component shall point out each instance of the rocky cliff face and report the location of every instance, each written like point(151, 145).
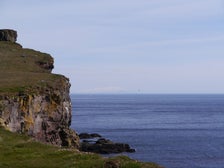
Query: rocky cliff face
point(32, 100)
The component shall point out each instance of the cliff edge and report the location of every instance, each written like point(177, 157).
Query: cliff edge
point(33, 101)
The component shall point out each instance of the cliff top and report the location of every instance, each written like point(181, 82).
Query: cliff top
point(22, 68)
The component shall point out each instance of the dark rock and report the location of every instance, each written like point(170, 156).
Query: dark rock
point(105, 146)
point(95, 135)
point(47, 65)
point(69, 138)
point(103, 141)
point(84, 136)
point(89, 141)
point(111, 164)
point(89, 136)
point(8, 35)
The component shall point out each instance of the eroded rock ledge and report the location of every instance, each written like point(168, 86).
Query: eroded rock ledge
point(33, 101)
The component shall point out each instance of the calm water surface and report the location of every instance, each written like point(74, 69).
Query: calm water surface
point(176, 131)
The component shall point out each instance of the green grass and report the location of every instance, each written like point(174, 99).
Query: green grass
point(14, 58)
point(18, 150)
point(19, 68)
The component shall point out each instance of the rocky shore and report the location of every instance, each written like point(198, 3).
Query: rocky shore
point(97, 144)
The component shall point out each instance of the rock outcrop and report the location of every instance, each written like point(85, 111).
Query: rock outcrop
point(96, 144)
point(105, 146)
point(33, 101)
point(8, 35)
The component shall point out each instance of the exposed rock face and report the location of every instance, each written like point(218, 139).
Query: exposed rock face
point(46, 115)
point(33, 101)
point(47, 65)
point(8, 35)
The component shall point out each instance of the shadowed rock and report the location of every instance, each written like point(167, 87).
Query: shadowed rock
point(8, 35)
point(89, 136)
point(105, 146)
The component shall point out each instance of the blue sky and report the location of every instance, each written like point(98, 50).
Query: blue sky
point(126, 46)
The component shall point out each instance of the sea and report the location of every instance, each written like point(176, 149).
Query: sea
point(175, 131)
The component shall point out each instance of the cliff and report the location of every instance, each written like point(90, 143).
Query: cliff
point(33, 101)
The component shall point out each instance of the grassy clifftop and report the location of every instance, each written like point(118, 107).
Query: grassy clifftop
point(22, 68)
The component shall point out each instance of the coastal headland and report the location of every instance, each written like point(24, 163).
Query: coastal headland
point(35, 114)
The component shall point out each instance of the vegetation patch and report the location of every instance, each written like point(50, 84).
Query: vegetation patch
point(23, 68)
point(18, 150)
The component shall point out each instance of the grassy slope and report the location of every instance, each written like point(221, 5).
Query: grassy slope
point(19, 68)
point(17, 151)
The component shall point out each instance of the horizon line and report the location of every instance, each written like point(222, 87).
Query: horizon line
point(82, 93)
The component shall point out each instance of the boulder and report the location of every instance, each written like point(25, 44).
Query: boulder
point(8, 35)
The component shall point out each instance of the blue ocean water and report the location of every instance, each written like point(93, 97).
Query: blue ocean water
point(176, 131)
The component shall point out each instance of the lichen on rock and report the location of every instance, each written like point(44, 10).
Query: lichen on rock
point(34, 101)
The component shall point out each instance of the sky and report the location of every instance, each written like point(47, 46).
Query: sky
point(126, 46)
